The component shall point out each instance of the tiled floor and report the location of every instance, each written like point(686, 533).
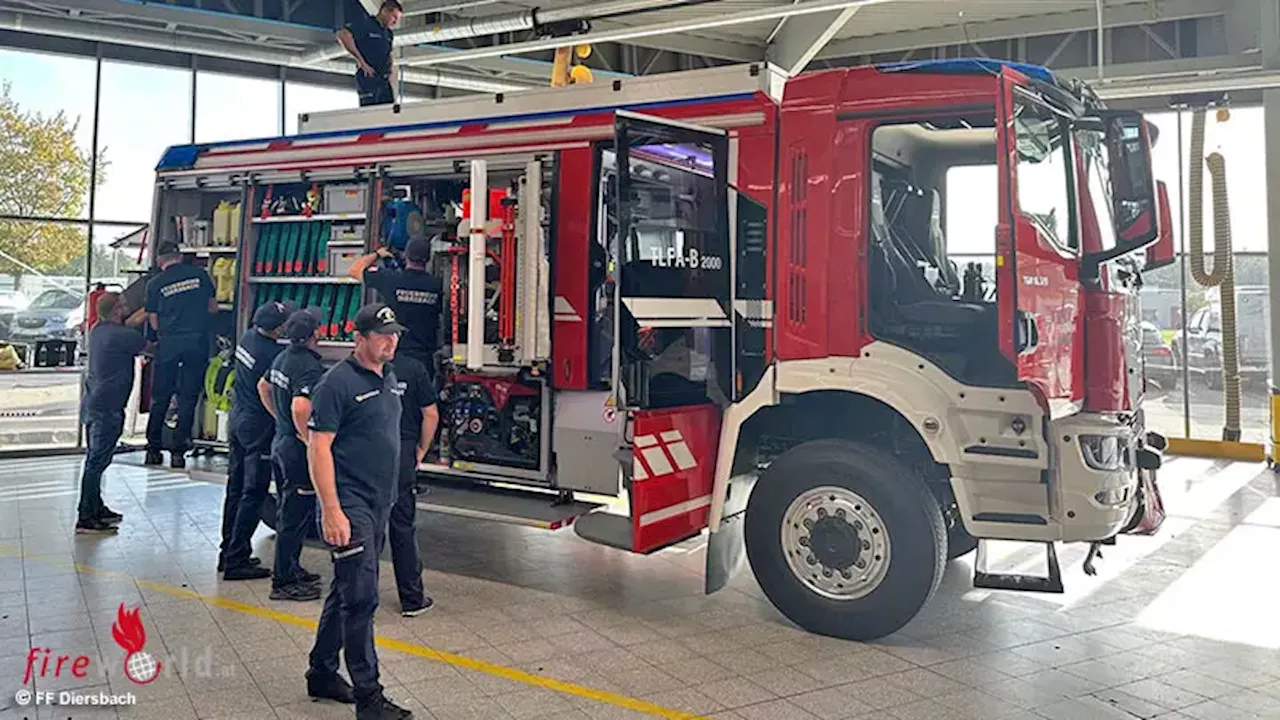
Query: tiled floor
point(534, 624)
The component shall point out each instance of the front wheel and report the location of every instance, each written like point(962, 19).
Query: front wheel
point(844, 539)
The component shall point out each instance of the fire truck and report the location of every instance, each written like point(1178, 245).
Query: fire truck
point(848, 325)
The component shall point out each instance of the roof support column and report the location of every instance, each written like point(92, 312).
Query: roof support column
point(1269, 41)
point(802, 37)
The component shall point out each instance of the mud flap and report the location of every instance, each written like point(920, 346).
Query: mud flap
point(726, 547)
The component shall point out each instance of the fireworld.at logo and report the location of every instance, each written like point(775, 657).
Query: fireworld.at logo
point(139, 665)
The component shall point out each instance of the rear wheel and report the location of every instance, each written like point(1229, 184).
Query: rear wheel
point(844, 539)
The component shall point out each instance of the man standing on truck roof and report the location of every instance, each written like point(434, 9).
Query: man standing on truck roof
point(286, 393)
point(353, 452)
point(414, 294)
point(180, 300)
point(369, 39)
point(113, 344)
point(249, 474)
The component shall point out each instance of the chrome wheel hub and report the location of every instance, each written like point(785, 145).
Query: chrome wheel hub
point(835, 543)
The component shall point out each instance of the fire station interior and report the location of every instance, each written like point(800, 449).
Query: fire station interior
point(588, 552)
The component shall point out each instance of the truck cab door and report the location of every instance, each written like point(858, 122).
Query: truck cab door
point(1038, 248)
point(673, 359)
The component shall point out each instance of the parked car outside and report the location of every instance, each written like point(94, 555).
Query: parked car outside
point(1157, 356)
point(1203, 352)
point(51, 324)
point(11, 301)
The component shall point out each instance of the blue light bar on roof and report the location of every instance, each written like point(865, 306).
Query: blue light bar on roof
point(970, 66)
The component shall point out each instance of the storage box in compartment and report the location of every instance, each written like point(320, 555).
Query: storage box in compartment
point(346, 232)
point(342, 199)
point(341, 259)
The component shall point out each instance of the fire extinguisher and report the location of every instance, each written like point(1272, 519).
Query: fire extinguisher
point(91, 307)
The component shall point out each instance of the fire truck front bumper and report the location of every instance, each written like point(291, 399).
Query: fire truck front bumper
point(1098, 461)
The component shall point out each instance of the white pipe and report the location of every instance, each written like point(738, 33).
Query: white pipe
point(1102, 34)
point(476, 263)
point(632, 33)
point(1117, 88)
point(172, 42)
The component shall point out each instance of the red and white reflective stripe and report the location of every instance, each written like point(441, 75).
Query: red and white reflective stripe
point(659, 455)
point(676, 510)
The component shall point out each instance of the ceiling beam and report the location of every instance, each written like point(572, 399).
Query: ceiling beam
point(801, 38)
point(702, 45)
point(523, 67)
point(1046, 24)
point(208, 19)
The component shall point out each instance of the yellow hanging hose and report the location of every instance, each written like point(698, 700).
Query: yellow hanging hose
point(1223, 274)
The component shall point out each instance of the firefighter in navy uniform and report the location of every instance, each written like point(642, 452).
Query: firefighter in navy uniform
point(418, 421)
point(249, 474)
point(413, 293)
point(368, 39)
point(353, 454)
point(286, 393)
point(179, 302)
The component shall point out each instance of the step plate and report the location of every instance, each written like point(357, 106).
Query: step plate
point(606, 528)
point(513, 507)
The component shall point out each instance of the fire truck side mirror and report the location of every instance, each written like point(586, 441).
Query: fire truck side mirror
point(1163, 252)
point(1133, 190)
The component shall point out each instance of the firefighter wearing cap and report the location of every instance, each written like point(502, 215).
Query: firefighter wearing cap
point(249, 475)
point(180, 300)
point(418, 421)
point(286, 392)
point(413, 293)
point(353, 451)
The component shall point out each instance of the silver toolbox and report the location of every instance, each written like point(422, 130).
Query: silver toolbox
point(341, 259)
point(346, 198)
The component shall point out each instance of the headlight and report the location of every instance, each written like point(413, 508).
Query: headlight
point(1112, 497)
point(1101, 452)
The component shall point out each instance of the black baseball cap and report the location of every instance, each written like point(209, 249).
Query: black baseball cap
point(271, 315)
point(167, 247)
point(377, 318)
point(418, 250)
point(302, 324)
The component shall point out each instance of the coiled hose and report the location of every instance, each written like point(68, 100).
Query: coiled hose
point(1223, 275)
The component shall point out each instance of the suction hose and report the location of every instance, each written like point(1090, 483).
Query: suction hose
point(1223, 274)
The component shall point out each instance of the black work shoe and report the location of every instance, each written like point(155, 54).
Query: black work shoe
point(417, 610)
point(110, 516)
point(380, 707)
point(246, 572)
point(307, 577)
point(330, 687)
point(95, 526)
point(153, 458)
point(178, 461)
point(296, 592)
point(222, 563)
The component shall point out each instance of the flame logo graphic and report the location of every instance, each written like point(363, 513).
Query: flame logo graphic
point(139, 666)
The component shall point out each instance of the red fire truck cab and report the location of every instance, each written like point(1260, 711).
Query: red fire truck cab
point(847, 323)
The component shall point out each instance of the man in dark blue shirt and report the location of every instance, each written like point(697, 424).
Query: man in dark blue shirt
point(418, 421)
point(369, 41)
point(286, 393)
point(180, 299)
point(112, 349)
point(414, 294)
point(249, 474)
point(353, 452)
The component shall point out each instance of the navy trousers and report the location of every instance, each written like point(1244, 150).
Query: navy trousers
point(180, 364)
point(103, 429)
point(295, 508)
point(248, 481)
point(402, 535)
point(346, 623)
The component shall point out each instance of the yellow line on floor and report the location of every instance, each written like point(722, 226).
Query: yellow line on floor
point(454, 659)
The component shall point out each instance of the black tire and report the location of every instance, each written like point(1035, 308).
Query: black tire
point(959, 541)
point(911, 517)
